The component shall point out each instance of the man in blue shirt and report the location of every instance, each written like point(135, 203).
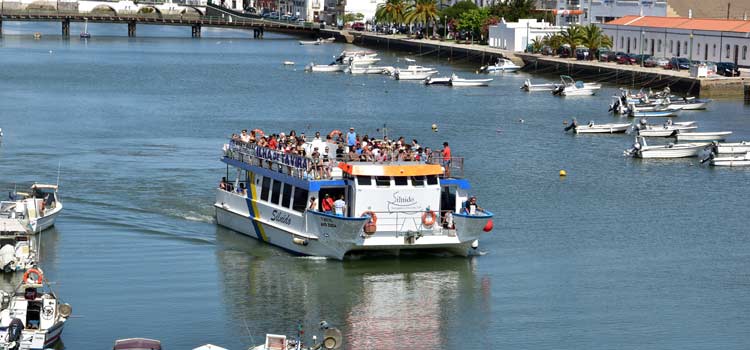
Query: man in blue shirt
point(351, 138)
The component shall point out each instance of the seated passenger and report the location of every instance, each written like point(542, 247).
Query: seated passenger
point(223, 184)
point(471, 207)
point(241, 190)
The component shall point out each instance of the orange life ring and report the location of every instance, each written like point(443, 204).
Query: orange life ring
point(258, 132)
point(37, 272)
point(428, 218)
point(373, 217)
point(371, 225)
point(335, 132)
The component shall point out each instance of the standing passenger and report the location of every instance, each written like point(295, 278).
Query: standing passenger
point(446, 152)
point(351, 138)
point(340, 206)
point(328, 204)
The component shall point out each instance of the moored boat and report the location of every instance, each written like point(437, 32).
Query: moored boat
point(653, 114)
point(570, 87)
point(332, 340)
point(37, 209)
point(461, 82)
point(703, 136)
point(529, 87)
point(414, 73)
point(731, 147)
point(389, 205)
point(438, 81)
point(502, 65)
point(730, 161)
point(680, 150)
point(333, 67)
point(592, 128)
point(17, 246)
point(137, 344)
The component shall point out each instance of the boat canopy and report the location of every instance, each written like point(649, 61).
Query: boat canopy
point(392, 169)
point(42, 187)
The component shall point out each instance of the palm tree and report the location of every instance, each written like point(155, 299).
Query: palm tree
point(593, 38)
point(536, 44)
point(392, 12)
point(423, 11)
point(572, 36)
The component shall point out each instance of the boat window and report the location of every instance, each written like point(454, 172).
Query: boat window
point(432, 180)
point(382, 181)
point(364, 180)
point(265, 188)
point(417, 180)
point(400, 180)
point(286, 197)
point(300, 199)
point(276, 191)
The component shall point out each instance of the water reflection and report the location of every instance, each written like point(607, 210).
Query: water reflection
point(377, 303)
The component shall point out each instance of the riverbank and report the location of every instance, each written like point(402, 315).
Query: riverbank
point(633, 77)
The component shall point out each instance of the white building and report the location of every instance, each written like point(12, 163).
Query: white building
point(365, 7)
point(569, 12)
point(309, 10)
point(716, 40)
point(515, 36)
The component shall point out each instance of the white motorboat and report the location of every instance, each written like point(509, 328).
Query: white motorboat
point(17, 247)
point(332, 340)
point(438, 81)
point(461, 82)
point(288, 63)
point(680, 150)
point(502, 65)
point(730, 161)
point(592, 128)
point(32, 316)
point(36, 209)
point(732, 147)
point(528, 86)
point(333, 67)
point(414, 73)
point(345, 56)
point(665, 130)
point(137, 344)
point(570, 87)
point(361, 60)
point(310, 42)
point(653, 113)
point(703, 136)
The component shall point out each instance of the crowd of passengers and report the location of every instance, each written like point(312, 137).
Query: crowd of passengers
point(349, 147)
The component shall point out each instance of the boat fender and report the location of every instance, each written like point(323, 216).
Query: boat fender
point(300, 241)
point(34, 276)
point(428, 218)
point(371, 225)
point(488, 226)
point(64, 309)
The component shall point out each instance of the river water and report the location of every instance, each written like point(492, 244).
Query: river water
point(620, 254)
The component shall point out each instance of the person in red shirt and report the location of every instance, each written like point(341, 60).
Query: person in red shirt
point(446, 152)
point(272, 142)
point(327, 204)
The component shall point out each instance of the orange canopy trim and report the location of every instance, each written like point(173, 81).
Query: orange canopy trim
point(391, 170)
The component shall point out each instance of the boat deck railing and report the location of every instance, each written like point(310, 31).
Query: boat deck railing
point(454, 167)
point(406, 223)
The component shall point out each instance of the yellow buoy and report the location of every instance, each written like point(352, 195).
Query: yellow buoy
point(563, 173)
point(434, 127)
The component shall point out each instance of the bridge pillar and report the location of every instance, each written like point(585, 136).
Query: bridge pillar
point(1, 26)
point(66, 28)
point(196, 30)
point(131, 29)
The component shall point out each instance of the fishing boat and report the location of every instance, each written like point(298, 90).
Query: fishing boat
point(731, 147)
point(137, 344)
point(388, 206)
point(502, 65)
point(570, 87)
point(36, 209)
point(17, 247)
point(414, 73)
point(438, 81)
point(703, 136)
point(332, 340)
point(592, 128)
point(529, 87)
point(32, 316)
point(333, 67)
point(461, 82)
point(641, 149)
point(729, 161)
point(85, 33)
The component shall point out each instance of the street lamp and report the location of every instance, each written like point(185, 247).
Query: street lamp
point(445, 27)
point(641, 45)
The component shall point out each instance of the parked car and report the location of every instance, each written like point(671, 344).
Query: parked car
point(583, 53)
point(358, 26)
point(601, 51)
point(728, 69)
point(679, 63)
point(547, 51)
point(626, 59)
point(614, 56)
point(655, 62)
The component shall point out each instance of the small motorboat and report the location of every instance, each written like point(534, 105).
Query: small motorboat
point(666, 130)
point(211, 347)
point(32, 315)
point(570, 87)
point(361, 60)
point(414, 73)
point(703, 136)
point(653, 114)
point(37, 209)
point(529, 87)
point(310, 42)
point(344, 56)
point(332, 340)
point(37, 35)
point(502, 65)
point(731, 147)
point(332, 67)
point(17, 247)
point(461, 82)
point(592, 128)
point(680, 150)
point(730, 161)
point(288, 63)
point(438, 81)
point(137, 344)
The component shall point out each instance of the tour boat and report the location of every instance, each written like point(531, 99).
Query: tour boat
point(32, 316)
point(332, 340)
point(17, 247)
point(591, 128)
point(529, 87)
point(137, 344)
point(502, 65)
point(36, 209)
point(570, 87)
point(732, 147)
point(438, 81)
point(461, 82)
point(730, 161)
point(389, 206)
point(414, 73)
point(703, 136)
point(333, 67)
point(680, 150)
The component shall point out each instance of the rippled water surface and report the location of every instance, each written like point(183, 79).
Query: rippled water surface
point(620, 254)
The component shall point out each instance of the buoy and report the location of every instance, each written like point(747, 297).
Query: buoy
point(520, 121)
point(434, 127)
point(563, 173)
point(488, 226)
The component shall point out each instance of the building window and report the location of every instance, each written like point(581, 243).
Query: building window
point(671, 46)
point(698, 50)
point(744, 52)
point(729, 48)
point(622, 42)
point(714, 53)
point(659, 45)
point(684, 47)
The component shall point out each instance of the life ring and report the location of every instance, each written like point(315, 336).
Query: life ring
point(335, 132)
point(258, 132)
point(428, 218)
point(38, 273)
point(371, 225)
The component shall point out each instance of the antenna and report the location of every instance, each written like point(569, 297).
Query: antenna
point(58, 174)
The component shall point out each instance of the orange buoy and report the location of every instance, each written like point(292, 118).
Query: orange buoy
point(488, 226)
point(428, 218)
point(371, 225)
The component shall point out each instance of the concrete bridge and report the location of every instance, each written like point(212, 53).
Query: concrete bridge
point(132, 13)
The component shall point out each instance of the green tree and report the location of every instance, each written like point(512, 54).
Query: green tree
point(554, 41)
point(424, 12)
point(353, 17)
point(537, 44)
point(474, 21)
point(513, 10)
point(455, 11)
point(593, 38)
point(392, 12)
point(572, 36)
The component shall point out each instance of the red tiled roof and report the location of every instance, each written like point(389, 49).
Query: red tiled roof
point(726, 25)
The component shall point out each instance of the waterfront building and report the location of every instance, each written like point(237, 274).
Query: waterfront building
point(569, 12)
point(717, 40)
point(515, 36)
point(365, 7)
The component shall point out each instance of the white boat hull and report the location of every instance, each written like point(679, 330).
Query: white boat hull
point(703, 136)
point(327, 68)
point(733, 148)
point(602, 129)
point(470, 82)
point(736, 161)
point(32, 339)
point(578, 92)
point(406, 75)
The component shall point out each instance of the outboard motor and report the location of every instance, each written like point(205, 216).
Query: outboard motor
point(573, 125)
point(14, 334)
